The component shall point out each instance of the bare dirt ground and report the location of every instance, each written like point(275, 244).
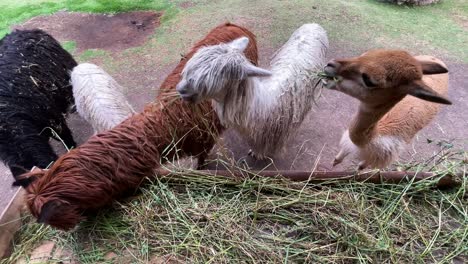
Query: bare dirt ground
point(316, 142)
point(97, 31)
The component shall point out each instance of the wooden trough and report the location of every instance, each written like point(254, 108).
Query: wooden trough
point(374, 176)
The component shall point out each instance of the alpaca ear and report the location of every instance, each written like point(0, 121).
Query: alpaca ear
point(431, 67)
point(422, 91)
point(253, 70)
point(48, 211)
point(240, 43)
point(24, 181)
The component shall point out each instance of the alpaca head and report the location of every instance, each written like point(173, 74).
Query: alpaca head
point(217, 71)
point(47, 204)
point(379, 76)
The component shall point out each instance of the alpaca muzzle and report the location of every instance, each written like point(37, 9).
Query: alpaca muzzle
point(185, 94)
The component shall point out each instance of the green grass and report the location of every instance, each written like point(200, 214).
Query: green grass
point(195, 218)
point(69, 46)
point(18, 11)
point(366, 24)
point(433, 25)
point(358, 25)
point(91, 54)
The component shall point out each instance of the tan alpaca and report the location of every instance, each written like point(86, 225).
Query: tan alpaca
point(387, 119)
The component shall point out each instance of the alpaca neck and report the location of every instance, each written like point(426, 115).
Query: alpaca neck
point(363, 128)
point(235, 110)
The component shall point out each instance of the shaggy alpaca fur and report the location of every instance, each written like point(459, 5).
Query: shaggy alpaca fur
point(114, 162)
point(99, 98)
point(35, 94)
point(265, 110)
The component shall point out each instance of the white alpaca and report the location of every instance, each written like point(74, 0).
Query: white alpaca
point(266, 109)
point(387, 118)
point(99, 98)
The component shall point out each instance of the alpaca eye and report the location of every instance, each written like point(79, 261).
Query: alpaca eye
point(367, 80)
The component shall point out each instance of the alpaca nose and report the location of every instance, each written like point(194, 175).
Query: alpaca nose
point(181, 88)
point(331, 69)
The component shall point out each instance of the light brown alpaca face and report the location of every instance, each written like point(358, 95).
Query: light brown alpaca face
point(378, 76)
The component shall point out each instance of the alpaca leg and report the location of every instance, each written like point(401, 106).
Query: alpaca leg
point(340, 157)
point(66, 135)
point(346, 148)
point(72, 109)
point(201, 161)
point(362, 165)
point(256, 156)
point(251, 153)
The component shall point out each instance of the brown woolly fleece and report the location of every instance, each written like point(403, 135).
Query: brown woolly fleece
point(115, 162)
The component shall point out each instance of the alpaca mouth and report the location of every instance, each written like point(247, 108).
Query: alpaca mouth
point(190, 98)
point(330, 82)
point(329, 76)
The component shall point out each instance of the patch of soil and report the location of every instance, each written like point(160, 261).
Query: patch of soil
point(98, 31)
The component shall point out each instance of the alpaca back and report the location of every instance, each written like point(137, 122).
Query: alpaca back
point(412, 114)
point(35, 94)
point(99, 98)
point(44, 65)
point(294, 68)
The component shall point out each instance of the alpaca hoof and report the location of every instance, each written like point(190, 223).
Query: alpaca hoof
point(72, 109)
point(362, 165)
point(252, 154)
point(336, 162)
point(255, 156)
point(201, 165)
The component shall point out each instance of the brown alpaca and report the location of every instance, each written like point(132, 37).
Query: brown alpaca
point(115, 162)
point(387, 119)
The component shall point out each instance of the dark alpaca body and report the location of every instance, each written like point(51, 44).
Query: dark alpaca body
point(115, 162)
point(35, 93)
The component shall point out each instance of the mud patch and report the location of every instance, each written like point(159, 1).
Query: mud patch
point(98, 31)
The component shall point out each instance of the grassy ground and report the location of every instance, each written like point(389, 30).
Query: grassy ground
point(195, 218)
point(442, 28)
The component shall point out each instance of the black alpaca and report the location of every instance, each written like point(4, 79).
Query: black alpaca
point(35, 96)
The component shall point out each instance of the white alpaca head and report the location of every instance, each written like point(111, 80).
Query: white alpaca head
point(218, 71)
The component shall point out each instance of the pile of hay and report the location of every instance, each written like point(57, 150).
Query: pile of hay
point(190, 217)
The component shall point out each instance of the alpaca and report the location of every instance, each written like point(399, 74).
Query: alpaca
point(387, 119)
point(35, 94)
point(113, 163)
point(266, 107)
point(99, 98)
